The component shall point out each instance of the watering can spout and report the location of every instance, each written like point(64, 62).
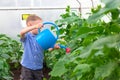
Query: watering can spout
point(66, 48)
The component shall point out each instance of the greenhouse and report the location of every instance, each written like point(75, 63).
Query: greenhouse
point(59, 40)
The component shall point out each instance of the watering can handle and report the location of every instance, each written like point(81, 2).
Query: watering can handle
point(54, 26)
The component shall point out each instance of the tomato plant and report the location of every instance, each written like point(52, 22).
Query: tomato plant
point(10, 55)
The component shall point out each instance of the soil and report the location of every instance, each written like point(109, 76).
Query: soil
point(16, 74)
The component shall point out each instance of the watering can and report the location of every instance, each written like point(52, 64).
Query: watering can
point(47, 40)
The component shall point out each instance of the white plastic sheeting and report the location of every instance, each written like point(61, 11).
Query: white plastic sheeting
point(38, 3)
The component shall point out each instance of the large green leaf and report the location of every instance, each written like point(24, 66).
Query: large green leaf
point(59, 69)
point(110, 41)
point(104, 70)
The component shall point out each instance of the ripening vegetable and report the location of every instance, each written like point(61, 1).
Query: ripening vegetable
point(68, 50)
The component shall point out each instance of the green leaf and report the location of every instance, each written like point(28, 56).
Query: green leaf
point(6, 56)
point(59, 69)
point(104, 70)
point(1, 64)
point(68, 9)
point(110, 41)
point(115, 13)
point(83, 30)
point(115, 28)
point(82, 68)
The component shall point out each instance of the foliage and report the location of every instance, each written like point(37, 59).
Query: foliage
point(10, 54)
point(4, 70)
point(52, 57)
point(95, 45)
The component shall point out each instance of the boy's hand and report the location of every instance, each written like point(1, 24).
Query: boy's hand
point(56, 46)
point(39, 25)
point(50, 49)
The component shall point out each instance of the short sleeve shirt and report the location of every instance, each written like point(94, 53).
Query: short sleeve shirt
point(32, 57)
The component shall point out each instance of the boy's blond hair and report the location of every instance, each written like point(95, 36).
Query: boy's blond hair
point(33, 17)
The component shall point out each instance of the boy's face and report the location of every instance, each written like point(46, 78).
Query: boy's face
point(35, 31)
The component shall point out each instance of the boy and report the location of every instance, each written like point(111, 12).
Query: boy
point(32, 59)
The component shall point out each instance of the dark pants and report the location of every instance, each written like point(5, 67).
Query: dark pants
point(28, 74)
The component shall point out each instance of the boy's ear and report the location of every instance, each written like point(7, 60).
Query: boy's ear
point(29, 24)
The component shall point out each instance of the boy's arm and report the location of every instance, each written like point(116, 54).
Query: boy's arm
point(27, 29)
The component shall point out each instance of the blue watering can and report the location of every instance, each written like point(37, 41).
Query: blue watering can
point(45, 38)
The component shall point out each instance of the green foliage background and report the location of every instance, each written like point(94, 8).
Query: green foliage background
point(10, 55)
point(94, 43)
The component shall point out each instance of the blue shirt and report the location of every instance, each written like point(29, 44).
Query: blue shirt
point(33, 54)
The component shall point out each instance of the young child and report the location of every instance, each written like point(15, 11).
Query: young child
point(32, 59)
